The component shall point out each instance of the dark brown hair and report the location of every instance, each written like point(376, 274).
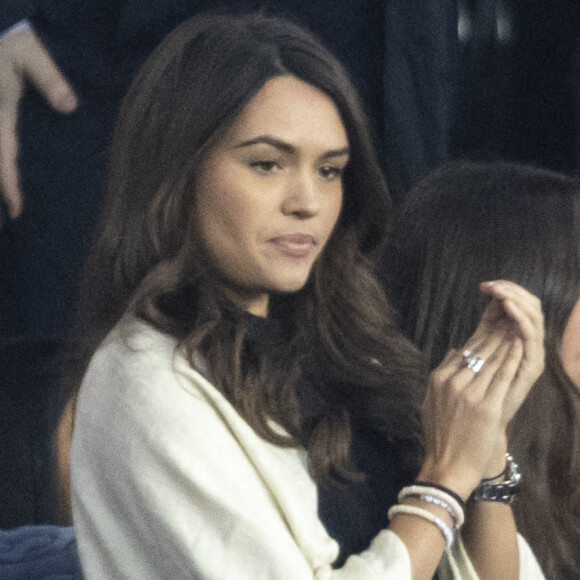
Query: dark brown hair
point(471, 222)
point(148, 258)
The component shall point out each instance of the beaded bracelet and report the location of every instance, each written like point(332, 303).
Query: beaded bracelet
point(435, 500)
point(444, 489)
point(445, 530)
point(436, 495)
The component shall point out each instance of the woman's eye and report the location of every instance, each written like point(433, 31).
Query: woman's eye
point(264, 166)
point(331, 172)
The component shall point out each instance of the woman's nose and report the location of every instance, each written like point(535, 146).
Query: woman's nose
point(302, 195)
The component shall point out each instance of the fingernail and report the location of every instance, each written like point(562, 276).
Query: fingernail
point(497, 284)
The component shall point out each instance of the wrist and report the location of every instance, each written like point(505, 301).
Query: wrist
point(496, 463)
point(460, 483)
point(502, 487)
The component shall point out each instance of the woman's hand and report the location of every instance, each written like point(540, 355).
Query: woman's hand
point(522, 312)
point(23, 59)
point(465, 412)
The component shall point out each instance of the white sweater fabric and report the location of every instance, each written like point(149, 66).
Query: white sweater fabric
point(169, 482)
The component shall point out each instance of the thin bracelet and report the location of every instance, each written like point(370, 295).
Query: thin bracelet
point(454, 508)
point(436, 500)
point(448, 491)
point(443, 499)
point(426, 515)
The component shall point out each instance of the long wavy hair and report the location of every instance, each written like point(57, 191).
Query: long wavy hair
point(470, 222)
point(148, 261)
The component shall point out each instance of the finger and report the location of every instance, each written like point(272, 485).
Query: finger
point(9, 177)
point(41, 70)
point(504, 289)
point(25, 55)
point(454, 367)
point(529, 328)
point(520, 385)
point(486, 338)
point(526, 326)
point(446, 369)
point(493, 319)
point(524, 310)
point(481, 343)
point(504, 370)
point(493, 353)
point(532, 340)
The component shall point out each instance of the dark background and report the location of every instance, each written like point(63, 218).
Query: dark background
point(517, 95)
point(516, 90)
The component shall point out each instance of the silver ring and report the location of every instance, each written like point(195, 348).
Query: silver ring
point(472, 361)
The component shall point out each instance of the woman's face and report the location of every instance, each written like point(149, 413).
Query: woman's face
point(571, 346)
point(270, 193)
point(571, 337)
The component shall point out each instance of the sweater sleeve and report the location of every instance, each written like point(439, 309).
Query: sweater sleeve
point(169, 481)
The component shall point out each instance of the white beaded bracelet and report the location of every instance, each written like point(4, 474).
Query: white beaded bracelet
point(441, 503)
point(448, 535)
point(436, 496)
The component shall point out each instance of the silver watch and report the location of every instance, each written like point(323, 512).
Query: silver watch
point(502, 488)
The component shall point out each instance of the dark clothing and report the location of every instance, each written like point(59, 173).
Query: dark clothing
point(353, 515)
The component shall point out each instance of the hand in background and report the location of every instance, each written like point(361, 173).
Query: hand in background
point(23, 59)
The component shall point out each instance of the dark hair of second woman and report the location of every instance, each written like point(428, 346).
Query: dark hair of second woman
point(472, 222)
point(148, 256)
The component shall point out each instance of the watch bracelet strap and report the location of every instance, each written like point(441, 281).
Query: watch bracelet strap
point(504, 491)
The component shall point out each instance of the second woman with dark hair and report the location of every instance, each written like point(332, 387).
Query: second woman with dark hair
point(242, 347)
point(469, 222)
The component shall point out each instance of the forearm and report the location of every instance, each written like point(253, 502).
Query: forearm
point(490, 539)
point(426, 540)
point(423, 541)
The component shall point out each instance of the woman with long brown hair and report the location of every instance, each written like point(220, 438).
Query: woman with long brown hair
point(469, 222)
point(241, 346)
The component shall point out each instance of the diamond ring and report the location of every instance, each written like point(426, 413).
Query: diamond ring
point(472, 361)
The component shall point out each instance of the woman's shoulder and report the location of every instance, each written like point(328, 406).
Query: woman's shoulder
point(132, 348)
point(139, 363)
point(134, 336)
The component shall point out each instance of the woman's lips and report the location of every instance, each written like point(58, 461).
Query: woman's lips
point(294, 245)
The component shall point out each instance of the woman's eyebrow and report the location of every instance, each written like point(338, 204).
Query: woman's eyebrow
point(336, 153)
point(287, 148)
point(266, 140)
